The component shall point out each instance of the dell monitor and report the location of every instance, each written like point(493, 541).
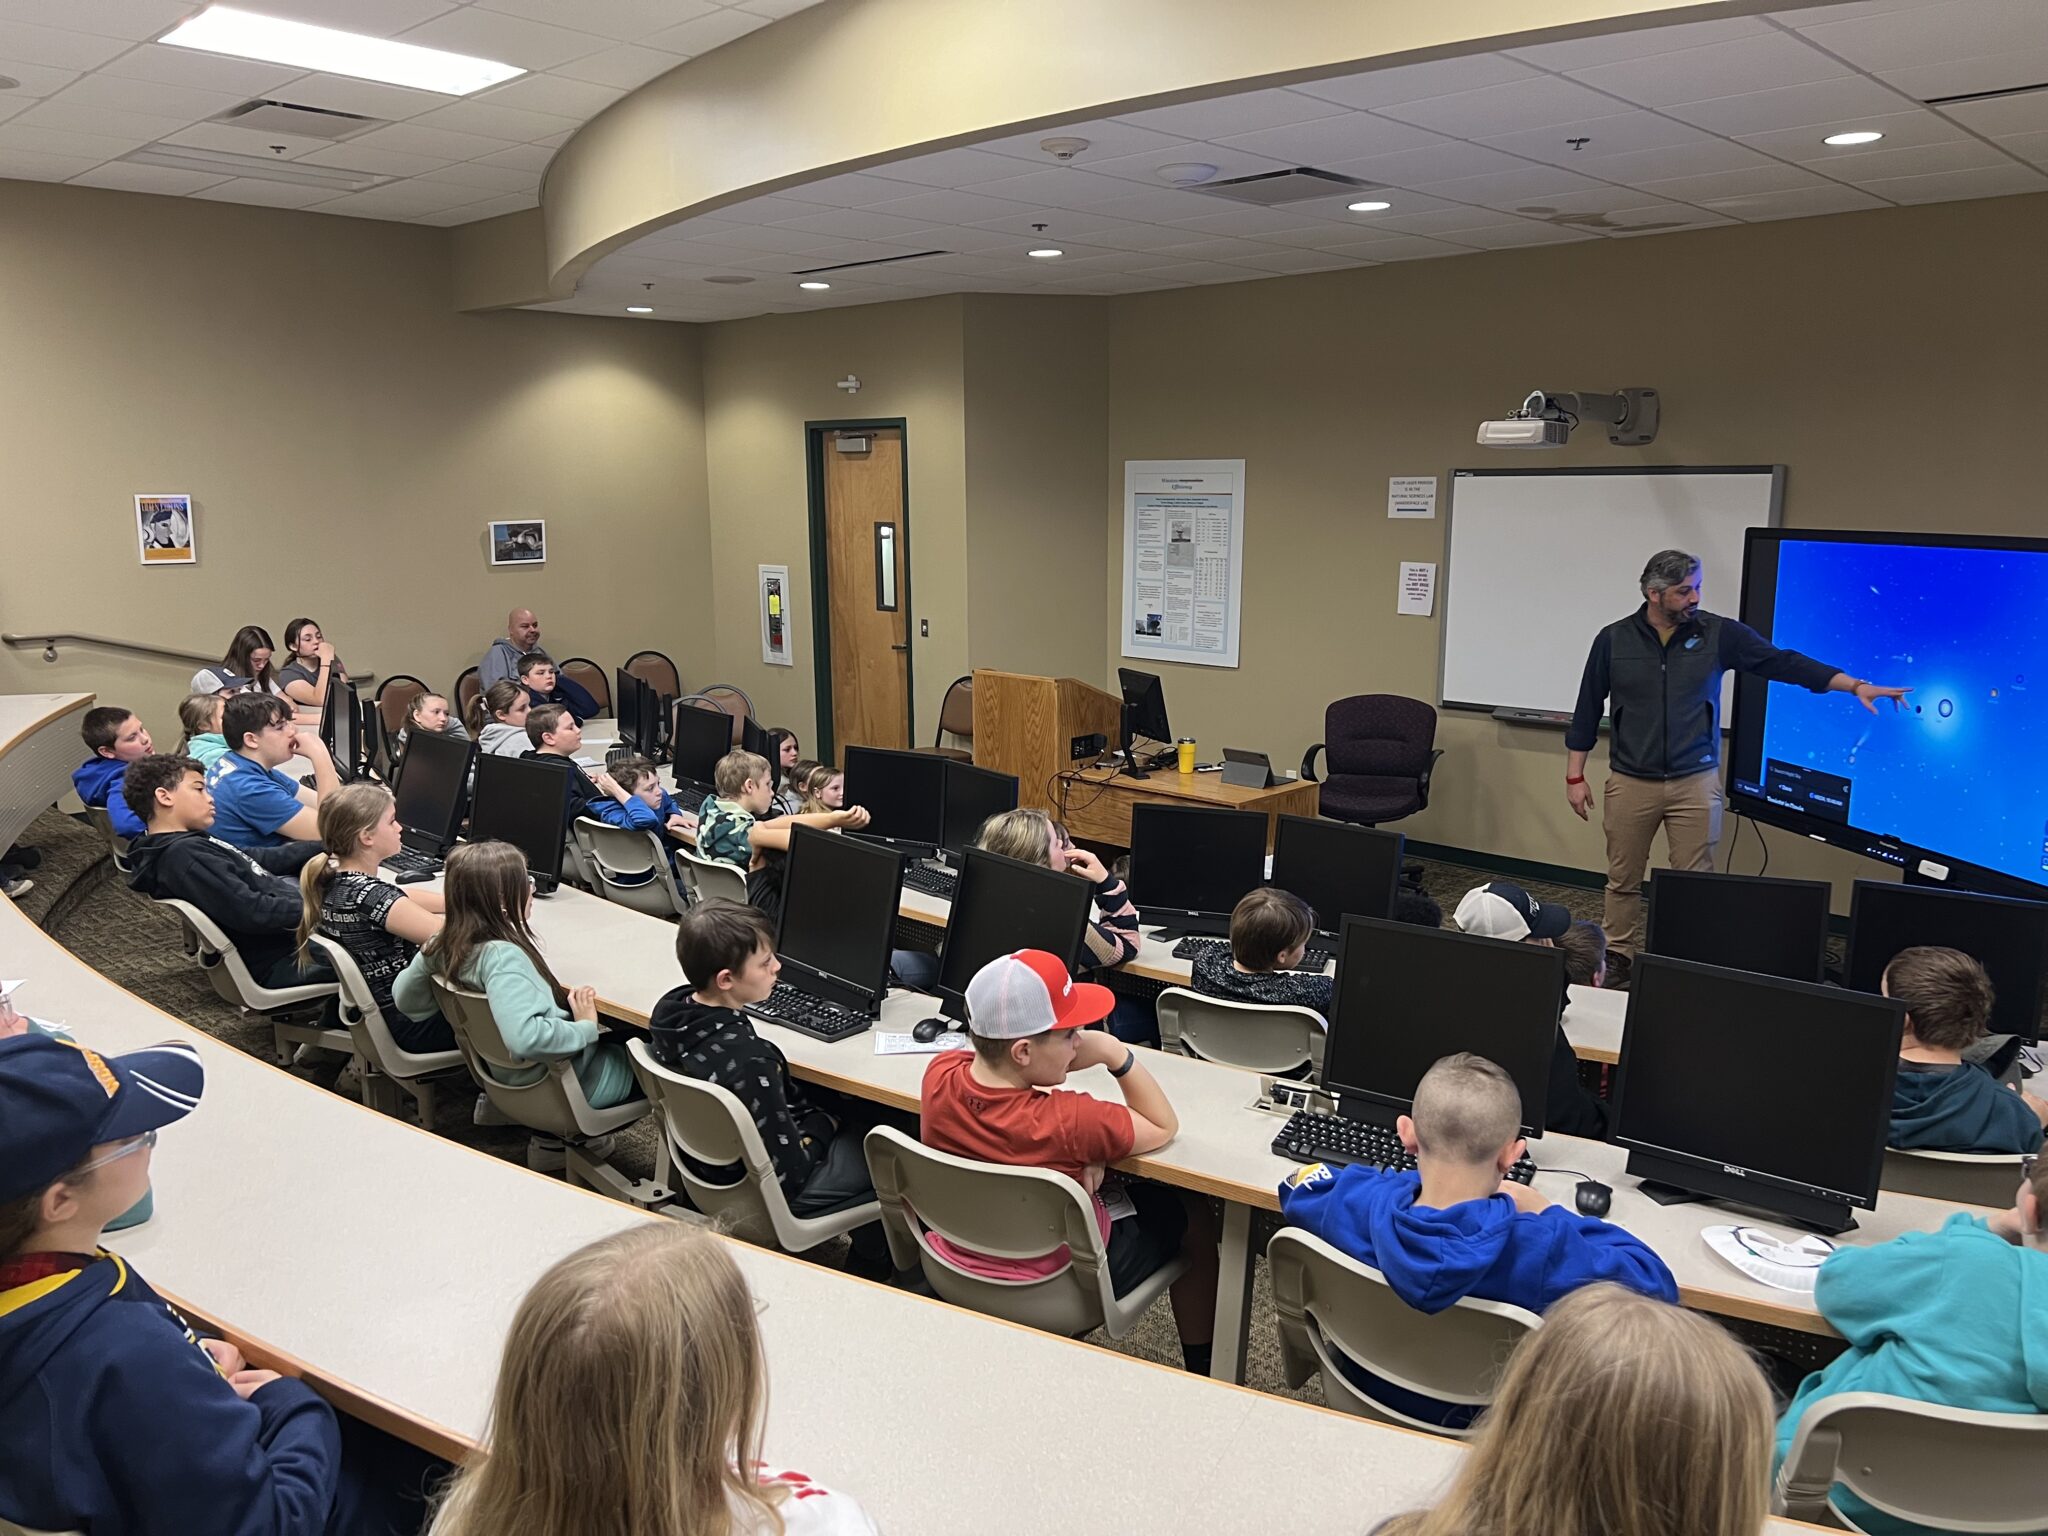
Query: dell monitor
point(904, 794)
point(1338, 869)
point(972, 796)
point(2008, 937)
point(525, 802)
point(1757, 1091)
point(1002, 905)
point(341, 724)
point(839, 898)
point(1191, 865)
point(1144, 716)
point(433, 783)
point(698, 739)
point(1742, 922)
point(1407, 996)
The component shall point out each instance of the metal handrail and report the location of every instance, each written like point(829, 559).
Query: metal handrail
point(49, 643)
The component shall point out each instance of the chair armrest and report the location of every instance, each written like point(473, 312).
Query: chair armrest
point(1308, 762)
point(1422, 782)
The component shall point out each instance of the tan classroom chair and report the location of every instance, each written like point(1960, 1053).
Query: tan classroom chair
point(224, 966)
point(733, 699)
point(1962, 1178)
point(1007, 1213)
point(711, 879)
point(708, 1124)
point(553, 1105)
point(102, 821)
point(956, 719)
point(1325, 1301)
point(387, 1067)
point(656, 671)
point(394, 697)
point(1948, 1469)
point(468, 686)
point(589, 676)
point(629, 866)
point(1280, 1038)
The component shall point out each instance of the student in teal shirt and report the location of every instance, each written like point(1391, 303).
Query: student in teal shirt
point(1958, 1316)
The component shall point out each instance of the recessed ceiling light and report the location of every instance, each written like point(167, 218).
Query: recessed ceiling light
point(1370, 207)
point(815, 287)
point(1046, 252)
point(246, 35)
point(1862, 136)
point(639, 309)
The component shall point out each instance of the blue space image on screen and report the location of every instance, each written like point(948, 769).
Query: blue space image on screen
point(1962, 769)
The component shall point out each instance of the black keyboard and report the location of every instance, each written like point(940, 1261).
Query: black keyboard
point(932, 882)
point(406, 862)
point(1308, 1137)
point(1314, 958)
point(809, 1015)
point(691, 795)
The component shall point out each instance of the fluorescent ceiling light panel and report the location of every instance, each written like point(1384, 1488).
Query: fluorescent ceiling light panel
point(246, 35)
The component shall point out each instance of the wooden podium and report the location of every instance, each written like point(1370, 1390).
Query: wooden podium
point(1026, 726)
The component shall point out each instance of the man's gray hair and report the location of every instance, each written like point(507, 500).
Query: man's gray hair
point(1667, 568)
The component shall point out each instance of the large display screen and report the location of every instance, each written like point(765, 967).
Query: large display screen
point(1954, 785)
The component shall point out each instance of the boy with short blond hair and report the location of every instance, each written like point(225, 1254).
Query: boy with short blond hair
point(1269, 930)
point(1940, 1102)
point(115, 737)
point(729, 827)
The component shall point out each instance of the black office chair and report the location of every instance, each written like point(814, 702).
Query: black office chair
point(1382, 752)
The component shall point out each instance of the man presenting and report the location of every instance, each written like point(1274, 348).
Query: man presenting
point(1657, 675)
point(522, 639)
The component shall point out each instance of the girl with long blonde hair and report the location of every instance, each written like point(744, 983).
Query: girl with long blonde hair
point(629, 1403)
point(1621, 1414)
point(1036, 838)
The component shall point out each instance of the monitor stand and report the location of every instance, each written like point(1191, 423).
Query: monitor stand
point(1830, 1218)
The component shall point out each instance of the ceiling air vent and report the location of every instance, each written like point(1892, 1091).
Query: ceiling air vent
point(220, 162)
point(1270, 189)
point(305, 122)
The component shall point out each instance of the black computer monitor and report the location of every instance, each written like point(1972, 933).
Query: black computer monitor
point(839, 899)
point(432, 784)
point(1743, 922)
point(1144, 715)
point(341, 724)
point(754, 739)
point(524, 801)
point(972, 796)
point(1190, 865)
point(1338, 869)
point(1002, 905)
point(698, 739)
point(904, 794)
point(1407, 996)
point(626, 710)
point(1756, 1090)
point(2008, 936)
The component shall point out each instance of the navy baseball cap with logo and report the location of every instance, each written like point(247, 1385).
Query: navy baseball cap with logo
point(59, 1100)
point(1502, 910)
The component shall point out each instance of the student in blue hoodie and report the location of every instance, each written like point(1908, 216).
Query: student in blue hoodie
point(1957, 1316)
point(1940, 1102)
point(115, 1417)
point(115, 737)
point(1457, 1227)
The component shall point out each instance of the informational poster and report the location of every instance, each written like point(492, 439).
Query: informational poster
point(775, 616)
point(1417, 595)
point(1411, 495)
point(1183, 559)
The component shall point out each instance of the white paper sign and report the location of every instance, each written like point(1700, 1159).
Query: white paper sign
point(1411, 495)
point(1417, 597)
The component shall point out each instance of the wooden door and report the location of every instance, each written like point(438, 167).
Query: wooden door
point(867, 583)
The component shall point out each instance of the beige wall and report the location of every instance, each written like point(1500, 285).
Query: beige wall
point(764, 379)
point(1036, 405)
point(1885, 357)
point(346, 436)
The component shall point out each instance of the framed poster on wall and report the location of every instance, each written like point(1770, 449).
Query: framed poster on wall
point(1183, 559)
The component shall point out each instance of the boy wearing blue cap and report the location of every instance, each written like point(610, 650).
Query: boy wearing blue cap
point(115, 1417)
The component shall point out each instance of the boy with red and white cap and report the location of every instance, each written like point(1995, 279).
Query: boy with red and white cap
point(115, 1417)
point(1002, 1103)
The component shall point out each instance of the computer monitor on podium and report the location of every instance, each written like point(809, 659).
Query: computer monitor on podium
point(525, 802)
point(432, 784)
point(1144, 717)
point(1338, 869)
point(1190, 865)
point(1002, 905)
point(2008, 936)
point(1755, 1090)
point(1409, 996)
point(1743, 922)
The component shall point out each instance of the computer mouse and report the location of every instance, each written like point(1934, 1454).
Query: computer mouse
point(1592, 1197)
point(415, 876)
point(925, 1031)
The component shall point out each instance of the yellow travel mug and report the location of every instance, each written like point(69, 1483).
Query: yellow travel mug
point(1187, 754)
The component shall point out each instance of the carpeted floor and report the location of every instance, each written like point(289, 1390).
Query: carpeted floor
point(84, 904)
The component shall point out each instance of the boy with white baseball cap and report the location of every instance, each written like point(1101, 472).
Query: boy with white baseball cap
point(1002, 1103)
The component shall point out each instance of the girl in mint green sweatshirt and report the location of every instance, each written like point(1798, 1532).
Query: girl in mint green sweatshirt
point(1958, 1317)
point(485, 944)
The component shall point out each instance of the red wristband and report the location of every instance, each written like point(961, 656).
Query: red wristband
point(1579, 780)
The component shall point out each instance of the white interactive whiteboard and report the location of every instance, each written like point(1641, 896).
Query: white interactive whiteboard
point(1539, 559)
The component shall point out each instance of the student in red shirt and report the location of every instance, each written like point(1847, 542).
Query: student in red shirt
point(1001, 1103)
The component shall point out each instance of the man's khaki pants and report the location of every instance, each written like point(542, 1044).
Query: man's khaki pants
point(1689, 811)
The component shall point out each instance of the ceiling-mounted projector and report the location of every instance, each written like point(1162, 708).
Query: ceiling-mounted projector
point(1546, 419)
